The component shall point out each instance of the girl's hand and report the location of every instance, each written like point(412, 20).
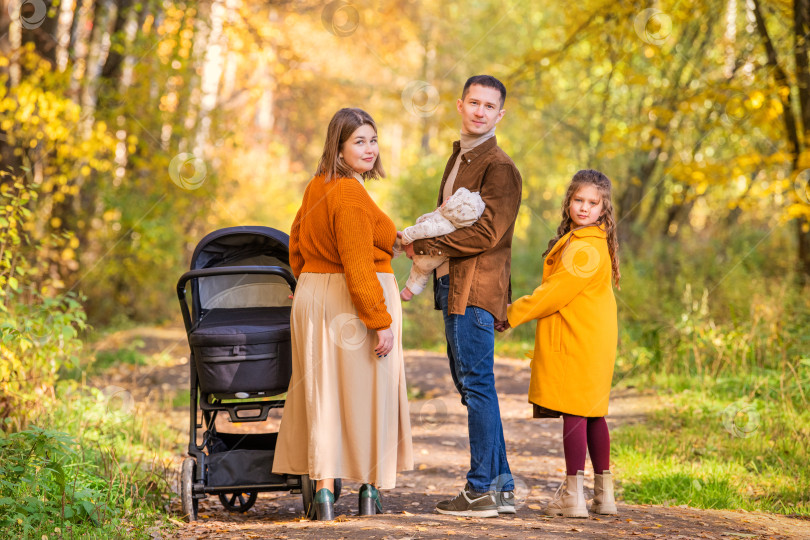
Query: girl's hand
point(502, 326)
point(385, 342)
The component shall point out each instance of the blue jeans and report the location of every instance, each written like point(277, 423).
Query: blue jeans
point(470, 349)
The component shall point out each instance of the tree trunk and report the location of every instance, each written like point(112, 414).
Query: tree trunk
point(797, 130)
point(62, 36)
point(211, 74)
point(79, 39)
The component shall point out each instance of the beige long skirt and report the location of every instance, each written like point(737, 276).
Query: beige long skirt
point(346, 414)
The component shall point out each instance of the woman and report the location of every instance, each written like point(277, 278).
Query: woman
point(346, 414)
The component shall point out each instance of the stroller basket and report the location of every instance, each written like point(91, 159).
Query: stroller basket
point(243, 350)
point(242, 460)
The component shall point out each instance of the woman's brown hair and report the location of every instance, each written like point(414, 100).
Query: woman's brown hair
point(606, 221)
point(343, 124)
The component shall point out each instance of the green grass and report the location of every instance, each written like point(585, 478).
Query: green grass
point(127, 355)
point(181, 399)
point(710, 445)
point(95, 464)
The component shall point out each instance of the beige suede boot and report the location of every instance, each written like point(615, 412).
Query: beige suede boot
point(603, 500)
point(569, 501)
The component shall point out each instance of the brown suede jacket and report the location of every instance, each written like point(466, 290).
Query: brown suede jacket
point(481, 254)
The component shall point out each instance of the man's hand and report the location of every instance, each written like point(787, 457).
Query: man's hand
point(502, 326)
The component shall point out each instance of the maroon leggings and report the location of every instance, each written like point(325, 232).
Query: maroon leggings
point(580, 433)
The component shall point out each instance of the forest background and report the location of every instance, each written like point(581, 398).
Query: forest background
point(130, 129)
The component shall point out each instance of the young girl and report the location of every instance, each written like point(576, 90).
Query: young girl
point(575, 341)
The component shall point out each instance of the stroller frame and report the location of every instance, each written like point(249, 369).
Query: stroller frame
point(195, 483)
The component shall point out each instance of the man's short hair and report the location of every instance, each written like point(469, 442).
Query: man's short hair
point(489, 82)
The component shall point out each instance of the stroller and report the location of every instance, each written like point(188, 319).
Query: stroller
point(238, 330)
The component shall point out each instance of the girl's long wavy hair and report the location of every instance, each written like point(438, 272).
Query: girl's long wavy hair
point(607, 220)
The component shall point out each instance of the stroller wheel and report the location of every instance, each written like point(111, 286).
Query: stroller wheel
point(238, 502)
point(186, 483)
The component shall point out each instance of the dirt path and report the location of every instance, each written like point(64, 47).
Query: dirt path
point(441, 460)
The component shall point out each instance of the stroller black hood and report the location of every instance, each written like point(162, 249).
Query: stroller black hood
point(224, 247)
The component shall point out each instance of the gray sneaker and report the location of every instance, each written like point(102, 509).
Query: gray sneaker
point(469, 503)
point(505, 501)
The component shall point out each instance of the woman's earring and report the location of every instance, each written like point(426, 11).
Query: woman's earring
point(340, 156)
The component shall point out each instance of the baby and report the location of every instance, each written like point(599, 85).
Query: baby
point(461, 209)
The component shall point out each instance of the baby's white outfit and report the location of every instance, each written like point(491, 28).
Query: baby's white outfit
point(461, 209)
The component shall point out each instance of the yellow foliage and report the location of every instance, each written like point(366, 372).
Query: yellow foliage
point(797, 210)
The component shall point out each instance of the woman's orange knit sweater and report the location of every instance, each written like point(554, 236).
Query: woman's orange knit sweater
point(339, 229)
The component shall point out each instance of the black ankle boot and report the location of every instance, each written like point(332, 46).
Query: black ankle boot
point(370, 500)
point(324, 505)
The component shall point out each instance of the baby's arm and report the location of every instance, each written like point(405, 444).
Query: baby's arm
point(433, 225)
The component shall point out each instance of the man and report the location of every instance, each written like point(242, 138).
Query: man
point(473, 288)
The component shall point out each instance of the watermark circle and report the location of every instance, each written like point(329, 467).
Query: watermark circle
point(348, 331)
point(42, 326)
point(581, 259)
point(420, 98)
point(187, 171)
point(340, 18)
point(741, 419)
point(735, 109)
point(653, 26)
point(430, 414)
point(118, 400)
point(521, 487)
point(30, 13)
point(801, 185)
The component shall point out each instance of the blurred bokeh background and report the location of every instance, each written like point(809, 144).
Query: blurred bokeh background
point(129, 129)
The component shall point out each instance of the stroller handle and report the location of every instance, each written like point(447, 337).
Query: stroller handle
point(225, 271)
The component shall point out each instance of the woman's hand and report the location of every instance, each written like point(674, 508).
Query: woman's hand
point(406, 248)
point(385, 342)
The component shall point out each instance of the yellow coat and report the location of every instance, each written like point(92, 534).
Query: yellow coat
point(575, 341)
